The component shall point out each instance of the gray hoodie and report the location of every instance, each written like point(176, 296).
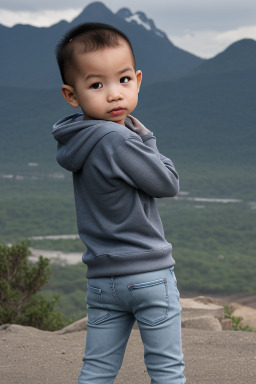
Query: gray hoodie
point(117, 175)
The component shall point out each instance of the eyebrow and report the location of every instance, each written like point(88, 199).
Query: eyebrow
point(127, 69)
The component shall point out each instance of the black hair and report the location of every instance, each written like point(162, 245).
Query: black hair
point(84, 38)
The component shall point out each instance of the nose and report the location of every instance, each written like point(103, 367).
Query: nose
point(114, 94)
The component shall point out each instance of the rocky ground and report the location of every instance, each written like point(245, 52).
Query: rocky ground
point(30, 356)
point(212, 353)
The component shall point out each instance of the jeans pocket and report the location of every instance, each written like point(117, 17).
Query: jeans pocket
point(150, 301)
point(96, 308)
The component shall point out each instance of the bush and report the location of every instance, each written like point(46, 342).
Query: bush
point(20, 283)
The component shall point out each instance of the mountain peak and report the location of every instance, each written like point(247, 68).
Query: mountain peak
point(239, 56)
point(141, 19)
point(155, 55)
point(242, 47)
point(124, 13)
point(96, 6)
point(95, 11)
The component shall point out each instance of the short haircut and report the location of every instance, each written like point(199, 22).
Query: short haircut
point(85, 38)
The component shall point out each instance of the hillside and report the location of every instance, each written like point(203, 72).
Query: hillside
point(211, 115)
point(202, 120)
point(239, 56)
point(206, 112)
point(23, 132)
point(34, 49)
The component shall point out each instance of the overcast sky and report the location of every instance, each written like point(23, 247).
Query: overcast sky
point(202, 27)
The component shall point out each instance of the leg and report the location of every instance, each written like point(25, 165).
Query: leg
point(158, 314)
point(108, 331)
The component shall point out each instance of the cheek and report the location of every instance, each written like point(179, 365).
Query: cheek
point(134, 97)
point(89, 100)
point(95, 100)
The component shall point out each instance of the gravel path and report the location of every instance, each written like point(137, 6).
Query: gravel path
point(30, 356)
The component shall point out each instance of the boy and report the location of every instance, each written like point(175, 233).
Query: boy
point(117, 174)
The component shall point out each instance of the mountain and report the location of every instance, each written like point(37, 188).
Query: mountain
point(210, 113)
point(239, 56)
point(205, 122)
point(28, 59)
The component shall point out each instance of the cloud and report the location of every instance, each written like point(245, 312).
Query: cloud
point(39, 5)
point(40, 19)
point(208, 43)
point(237, 34)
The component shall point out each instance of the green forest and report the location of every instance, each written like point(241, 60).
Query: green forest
point(214, 243)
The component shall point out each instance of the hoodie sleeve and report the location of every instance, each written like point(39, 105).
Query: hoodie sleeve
point(138, 162)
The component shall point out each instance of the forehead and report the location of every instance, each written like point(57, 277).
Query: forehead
point(106, 59)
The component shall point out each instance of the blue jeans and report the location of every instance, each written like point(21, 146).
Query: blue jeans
point(114, 303)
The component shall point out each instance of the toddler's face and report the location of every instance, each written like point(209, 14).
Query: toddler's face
point(106, 85)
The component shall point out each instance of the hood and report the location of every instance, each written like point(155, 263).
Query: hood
point(76, 138)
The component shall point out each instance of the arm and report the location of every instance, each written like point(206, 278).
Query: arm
point(138, 162)
point(146, 135)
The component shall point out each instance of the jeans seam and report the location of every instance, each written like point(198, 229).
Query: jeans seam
point(122, 355)
point(112, 285)
point(175, 283)
point(99, 320)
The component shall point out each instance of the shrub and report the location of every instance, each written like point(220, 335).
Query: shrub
point(20, 283)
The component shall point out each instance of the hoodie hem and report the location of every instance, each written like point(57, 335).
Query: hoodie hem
point(120, 265)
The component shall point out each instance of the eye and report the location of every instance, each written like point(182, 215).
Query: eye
point(125, 79)
point(96, 86)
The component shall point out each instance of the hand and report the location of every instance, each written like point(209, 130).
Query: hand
point(138, 127)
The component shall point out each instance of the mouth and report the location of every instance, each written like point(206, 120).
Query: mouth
point(117, 111)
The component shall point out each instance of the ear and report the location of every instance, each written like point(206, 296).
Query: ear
point(139, 78)
point(69, 95)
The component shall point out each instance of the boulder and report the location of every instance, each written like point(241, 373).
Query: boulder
point(16, 328)
point(205, 323)
point(202, 313)
point(79, 325)
point(247, 313)
point(200, 306)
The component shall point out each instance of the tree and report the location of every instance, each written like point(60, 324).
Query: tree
point(20, 282)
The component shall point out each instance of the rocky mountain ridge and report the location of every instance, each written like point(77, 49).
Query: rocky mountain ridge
point(32, 63)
